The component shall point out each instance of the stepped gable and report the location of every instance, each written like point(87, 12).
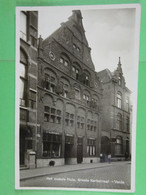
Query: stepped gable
point(72, 34)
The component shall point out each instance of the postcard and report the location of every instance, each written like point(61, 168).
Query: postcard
point(76, 97)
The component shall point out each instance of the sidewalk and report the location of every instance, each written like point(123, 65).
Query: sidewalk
point(38, 172)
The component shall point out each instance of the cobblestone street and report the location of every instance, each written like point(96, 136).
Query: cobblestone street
point(115, 176)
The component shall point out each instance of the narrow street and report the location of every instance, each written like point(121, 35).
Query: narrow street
point(109, 177)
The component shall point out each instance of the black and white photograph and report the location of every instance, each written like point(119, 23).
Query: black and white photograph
point(76, 97)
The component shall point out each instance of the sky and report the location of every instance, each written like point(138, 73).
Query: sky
point(110, 34)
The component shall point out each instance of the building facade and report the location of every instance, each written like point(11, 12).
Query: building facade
point(28, 85)
point(116, 115)
point(69, 95)
point(69, 113)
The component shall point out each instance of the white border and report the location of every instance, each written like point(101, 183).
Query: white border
point(17, 57)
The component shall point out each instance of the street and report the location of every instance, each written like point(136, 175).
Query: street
point(108, 177)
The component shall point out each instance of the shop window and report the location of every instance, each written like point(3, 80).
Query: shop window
point(91, 147)
point(69, 139)
point(51, 145)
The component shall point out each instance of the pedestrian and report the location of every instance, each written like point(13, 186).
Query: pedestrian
point(109, 158)
point(101, 157)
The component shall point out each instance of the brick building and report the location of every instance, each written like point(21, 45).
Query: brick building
point(116, 114)
point(28, 84)
point(69, 95)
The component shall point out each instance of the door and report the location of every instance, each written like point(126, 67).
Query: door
point(79, 153)
point(22, 148)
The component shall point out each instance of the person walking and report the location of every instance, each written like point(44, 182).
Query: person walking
point(109, 158)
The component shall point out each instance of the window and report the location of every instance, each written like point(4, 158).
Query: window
point(23, 79)
point(91, 147)
point(77, 94)
point(69, 139)
point(119, 100)
point(23, 25)
point(52, 115)
point(61, 60)
point(118, 145)
point(65, 86)
point(33, 41)
point(127, 124)
point(86, 97)
point(127, 104)
point(76, 71)
point(76, 48)
point(50, 82)
point(80, 122)
point(119, 121)
point(69, 119)
point(51, 145)
point(64, 60)
point(119, 80)
point(85, 79)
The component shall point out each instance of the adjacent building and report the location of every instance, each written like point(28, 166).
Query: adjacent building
point(116, 113)
point(69, 113)
point(28, 84)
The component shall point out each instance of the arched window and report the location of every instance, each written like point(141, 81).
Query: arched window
point(118, 146)
point(23, 78)
point(50, 80)
point(76, 69)
point(77, 94)
point(66, 87)
point(119, 100)
point(64, 60)
point(119, 121)
point(86, 76)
